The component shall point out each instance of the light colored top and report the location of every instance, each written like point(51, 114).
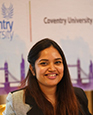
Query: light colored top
point(15, 104)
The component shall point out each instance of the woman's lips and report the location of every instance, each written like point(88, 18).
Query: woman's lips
point(51, 76)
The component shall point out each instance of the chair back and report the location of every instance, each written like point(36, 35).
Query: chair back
point(2, 103)
point(2, 108)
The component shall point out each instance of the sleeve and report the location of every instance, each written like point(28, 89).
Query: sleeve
point(82, 98)
point(9, 106)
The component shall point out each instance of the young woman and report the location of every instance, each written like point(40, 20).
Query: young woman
point(48, 89)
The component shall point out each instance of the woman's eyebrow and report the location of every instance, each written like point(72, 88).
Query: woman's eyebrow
point(58, 59)
point(48, 60)
point(43, 60)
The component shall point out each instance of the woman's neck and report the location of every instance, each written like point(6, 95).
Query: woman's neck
point(50, 93)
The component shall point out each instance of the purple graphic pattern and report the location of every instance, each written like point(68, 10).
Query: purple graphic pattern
point(7, 85)
point(85, 83)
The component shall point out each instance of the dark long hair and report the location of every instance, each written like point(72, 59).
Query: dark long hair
point(67, 102)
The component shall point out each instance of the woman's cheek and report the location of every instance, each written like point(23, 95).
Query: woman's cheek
point(60, 68)
point(43, 69)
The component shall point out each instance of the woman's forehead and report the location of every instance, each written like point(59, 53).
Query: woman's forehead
point(50, 52)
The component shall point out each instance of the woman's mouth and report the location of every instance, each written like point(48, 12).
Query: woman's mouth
point(51, 76)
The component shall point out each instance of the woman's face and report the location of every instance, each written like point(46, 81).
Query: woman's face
point(49, 67)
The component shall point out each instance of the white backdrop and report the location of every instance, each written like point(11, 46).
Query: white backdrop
point(69, 23)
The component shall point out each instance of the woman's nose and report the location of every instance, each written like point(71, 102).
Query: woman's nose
point(52, 67)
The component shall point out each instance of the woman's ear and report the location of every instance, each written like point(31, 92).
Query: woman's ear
point(31, 69)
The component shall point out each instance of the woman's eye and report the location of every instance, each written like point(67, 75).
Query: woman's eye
point(58, 62)
point(43, 63)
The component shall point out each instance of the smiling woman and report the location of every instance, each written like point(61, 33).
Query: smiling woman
point(47, 89)
point(49, 67)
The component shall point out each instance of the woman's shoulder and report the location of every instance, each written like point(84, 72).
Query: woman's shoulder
point(80, 94)
point(16, 96)
point(18, 91)
point(16, 101)
point(82, 98)
point(79, 91)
